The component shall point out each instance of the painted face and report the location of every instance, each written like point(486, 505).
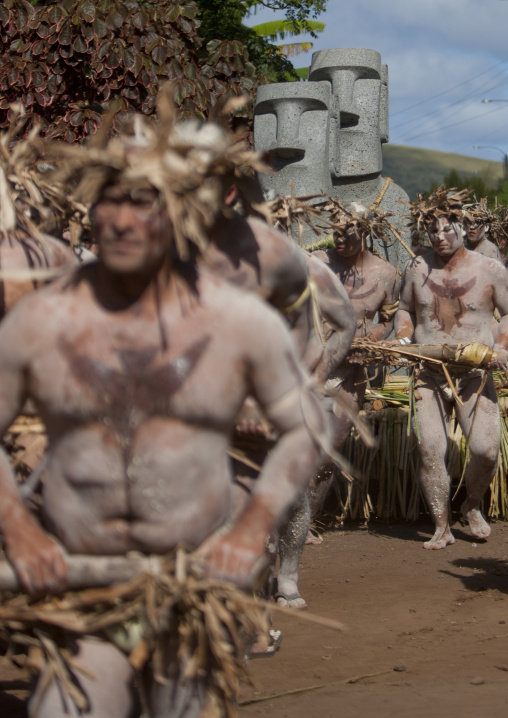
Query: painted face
point(475, 233)
point(133, 233)
point(347, 243)
point(446, 237)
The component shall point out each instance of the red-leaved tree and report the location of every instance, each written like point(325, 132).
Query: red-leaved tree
point(65, 61)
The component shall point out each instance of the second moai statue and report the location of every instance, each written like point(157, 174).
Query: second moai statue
point(351, 154)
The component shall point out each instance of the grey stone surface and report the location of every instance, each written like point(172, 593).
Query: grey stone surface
point(339, 146)
point(291, 121)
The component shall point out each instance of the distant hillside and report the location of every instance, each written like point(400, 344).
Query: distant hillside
point(415, 169)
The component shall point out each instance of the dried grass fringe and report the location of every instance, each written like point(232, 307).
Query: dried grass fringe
point(215, 621)
point(385, 478)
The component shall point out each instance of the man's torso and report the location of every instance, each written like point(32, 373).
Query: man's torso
point(453, 304)
point(138, 431)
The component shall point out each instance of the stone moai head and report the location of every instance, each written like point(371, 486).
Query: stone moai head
point(359, 110)
point(291, 122)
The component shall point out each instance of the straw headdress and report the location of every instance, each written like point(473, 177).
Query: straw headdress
point(442, 202)
point(187, 165)
point(358, 220)
point(29, 205)
point(327, 216)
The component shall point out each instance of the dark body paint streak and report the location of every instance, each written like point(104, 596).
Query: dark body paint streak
point(449, 316)
point(128, 396)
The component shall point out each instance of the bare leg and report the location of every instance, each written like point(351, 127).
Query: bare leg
point(294, 534)
point(110, 695)
point(484, 448)
point(433, 419)
point(292, 540)
point(352, 391)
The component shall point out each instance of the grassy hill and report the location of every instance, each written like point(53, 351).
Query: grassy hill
point(415, 169)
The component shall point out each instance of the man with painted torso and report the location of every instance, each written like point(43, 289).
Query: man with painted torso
point(449, 296)
point(372, 285)
point(259, 259)
point(138, 366)
point(476, 241)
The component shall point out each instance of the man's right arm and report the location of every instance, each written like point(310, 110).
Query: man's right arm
point(35, 556)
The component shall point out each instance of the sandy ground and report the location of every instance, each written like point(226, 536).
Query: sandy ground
point(427, 632)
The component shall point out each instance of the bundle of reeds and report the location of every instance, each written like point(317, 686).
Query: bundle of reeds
point(472, 354)
point(385, 478)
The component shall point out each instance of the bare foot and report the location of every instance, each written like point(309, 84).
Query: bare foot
point(313, 539)
point(441, 538)
point(479, 527)
point(291, 600)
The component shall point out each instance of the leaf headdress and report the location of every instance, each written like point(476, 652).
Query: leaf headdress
point(187, 165)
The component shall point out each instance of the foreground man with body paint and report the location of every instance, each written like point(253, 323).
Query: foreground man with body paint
point(138, 366)
point(448, 297)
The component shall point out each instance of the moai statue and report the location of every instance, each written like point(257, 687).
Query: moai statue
point(357, 127)
point(291, 121)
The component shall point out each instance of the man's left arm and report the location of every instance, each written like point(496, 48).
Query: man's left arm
point(500, 285)
point(279, 385)
point(336, 309)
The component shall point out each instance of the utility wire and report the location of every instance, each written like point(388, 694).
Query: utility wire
point(472, 96)
point(440, 94)
point(453, 124)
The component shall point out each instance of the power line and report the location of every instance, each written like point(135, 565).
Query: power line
point(440, 94)
point(454, 124)
point(472, 95)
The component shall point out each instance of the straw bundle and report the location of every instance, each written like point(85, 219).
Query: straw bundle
point(385, 482)
point(472, 354)
point(215, 621)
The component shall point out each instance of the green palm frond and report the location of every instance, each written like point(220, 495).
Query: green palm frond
point(280, 29)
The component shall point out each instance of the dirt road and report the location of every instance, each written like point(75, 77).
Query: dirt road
point(427, 632)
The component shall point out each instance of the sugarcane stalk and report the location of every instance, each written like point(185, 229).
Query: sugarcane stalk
point(473, 354)
point(90, 571)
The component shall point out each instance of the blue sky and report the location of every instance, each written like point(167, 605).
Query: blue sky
point(443, 57)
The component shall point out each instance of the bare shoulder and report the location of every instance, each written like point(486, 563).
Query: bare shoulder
point(420, 265)
point(384, 270)
point(238, 310)
point(274, 241)
point(321, 272)
point(60, 254)
point(489, 267)
point(38, 319)
point(322, 255)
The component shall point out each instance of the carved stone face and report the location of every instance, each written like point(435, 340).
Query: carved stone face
point(359, 84)
point(291, 122)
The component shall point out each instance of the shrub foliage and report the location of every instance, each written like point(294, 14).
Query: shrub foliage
point(66, 60)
